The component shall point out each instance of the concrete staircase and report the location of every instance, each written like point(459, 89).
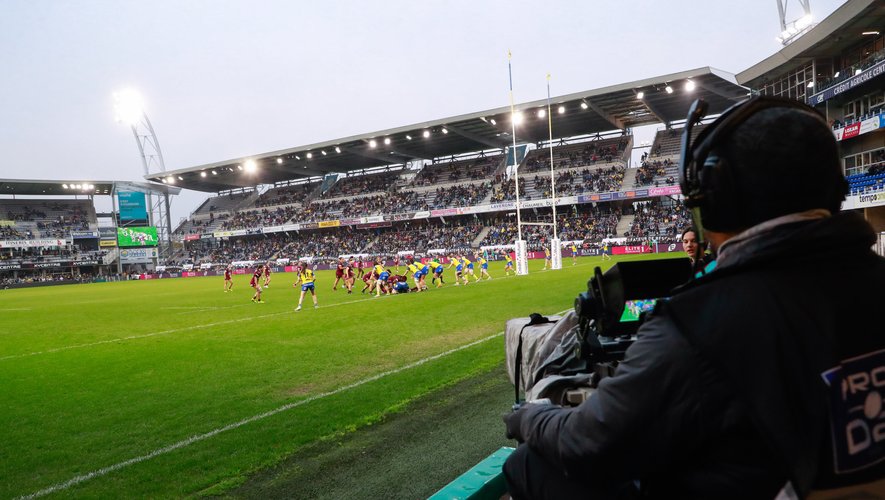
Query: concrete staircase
point(479, 237)
point(629, 178)
point(624, 224)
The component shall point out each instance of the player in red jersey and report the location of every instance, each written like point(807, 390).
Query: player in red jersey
point(396, 262)
point(339, 273)
point(267, 275)
point(369, 279)
point(349, 276)
point(228, 280)
point(255, 283)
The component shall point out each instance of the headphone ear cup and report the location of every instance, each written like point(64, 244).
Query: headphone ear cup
point(720, 208)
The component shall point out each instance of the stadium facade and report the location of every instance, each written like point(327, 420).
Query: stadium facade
point(448, 184)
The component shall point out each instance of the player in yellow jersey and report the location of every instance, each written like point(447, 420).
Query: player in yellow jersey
point(508, 263)
point(483, 266)
point(468, 268)
point(419, 271)
point(459, 269)
point(548, 260)
point(437, 269)
point(307, 281)
point(574, 254)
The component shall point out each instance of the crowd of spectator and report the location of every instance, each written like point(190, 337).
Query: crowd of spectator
point(465, 170)
point(462, 195)
point(570, 157)
point(361, 184)
point(591, 224)
point(286, 195)
point(260, 218)
point(658, 221)
point(506, 191)
point(653, 172)
point(572, 183)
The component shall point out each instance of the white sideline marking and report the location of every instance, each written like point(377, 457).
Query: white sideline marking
point(176, 330)
point(261, 416)
point(15, 309)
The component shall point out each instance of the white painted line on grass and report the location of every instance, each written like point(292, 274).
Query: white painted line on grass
point(15, 309)
point(261, 416)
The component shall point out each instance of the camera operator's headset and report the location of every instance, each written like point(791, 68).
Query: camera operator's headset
point(706, 178)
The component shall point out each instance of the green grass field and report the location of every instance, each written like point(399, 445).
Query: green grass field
point(172, 388)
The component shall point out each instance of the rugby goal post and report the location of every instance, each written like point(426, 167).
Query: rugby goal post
point(555, 253)
point(522, 258)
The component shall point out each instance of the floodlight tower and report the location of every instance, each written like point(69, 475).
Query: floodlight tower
point(791, 30)
point(129, 109)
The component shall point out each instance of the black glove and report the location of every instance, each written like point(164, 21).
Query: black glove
point(513, 423)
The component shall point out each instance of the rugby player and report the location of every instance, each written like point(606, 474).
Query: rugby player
point(483, 266)
point(437, 269)
point(267, 275)
point(339, 273)
point(419, 271)
point(381, 280)
point(605, 255)
point(459, 269)
point(548, 261)
point(306, 279)
point(508, 265)
point(228, 280)
point(468, 268)
point(255, 283)
point(574, 255)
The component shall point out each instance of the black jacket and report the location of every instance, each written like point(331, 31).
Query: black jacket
point(723, 394)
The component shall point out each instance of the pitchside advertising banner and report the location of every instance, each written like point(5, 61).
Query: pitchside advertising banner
point(137, 255)
point(873, 71)
point(132, 205)
point(137, 236)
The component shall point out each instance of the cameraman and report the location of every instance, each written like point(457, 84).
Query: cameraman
point(759, 377)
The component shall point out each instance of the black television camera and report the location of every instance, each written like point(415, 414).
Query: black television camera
point(607, 317)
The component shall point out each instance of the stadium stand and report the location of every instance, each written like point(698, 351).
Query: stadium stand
point(360, 184)
point(35, 219)
point(472, 169)
point(579, 154)
point(654, 220)
point(286, 195)
point(223, 203)
point(870, 182)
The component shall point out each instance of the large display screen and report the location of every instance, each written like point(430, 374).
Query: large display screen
point(132, 205)
point(137, 236)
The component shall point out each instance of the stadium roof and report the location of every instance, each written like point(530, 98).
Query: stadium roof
point(840, 30)
point(78, 187)
point(591, 112)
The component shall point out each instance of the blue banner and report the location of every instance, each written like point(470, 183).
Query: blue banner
point(132, 205)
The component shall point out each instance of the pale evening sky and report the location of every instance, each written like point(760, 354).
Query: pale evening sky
point(225, 79)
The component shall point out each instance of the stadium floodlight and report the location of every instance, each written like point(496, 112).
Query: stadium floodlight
point(309, 155)
point(640, 94)
point(214, 172)
point(669, 89)
point(163, 179)
point(445, 131)
point(837, 74)
point(279, 161)
point(542, 113)
point(64, 186)
point(426, 134)
point(561, 109)
point(324, 152)
point(493, 121)
point(689, 85)
point(409, 137)
point(517, 118)
point(203, 174)
point(584, 105)
point(297, 157)
point(128, 106)
point(179, 178)
point(810, 84)
point(251, 166)
point(170, 180)
point(337, 149)
point(387, 141)
point(373, 143)
point(869, 33)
